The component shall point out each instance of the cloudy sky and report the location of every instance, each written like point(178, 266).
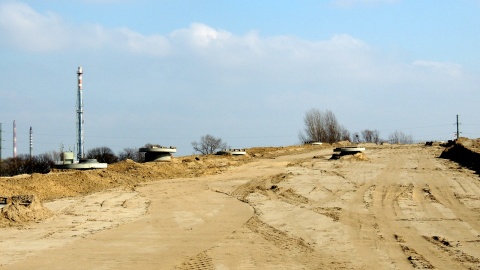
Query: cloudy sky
point(168, 72)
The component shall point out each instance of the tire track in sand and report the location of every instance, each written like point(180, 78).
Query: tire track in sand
point(385, 201)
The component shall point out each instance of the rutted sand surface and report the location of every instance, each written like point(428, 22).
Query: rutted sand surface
point(75, 218)
point(403, 208)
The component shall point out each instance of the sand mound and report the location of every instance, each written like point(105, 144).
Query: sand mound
point(471, 144)
point(273, 152)
point(357, 156)
point(360, 156)
point(126, 166)
point(465, 152)
point(25, 208)
point(342, 143)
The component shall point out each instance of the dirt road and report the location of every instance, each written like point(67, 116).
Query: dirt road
point(404, 208)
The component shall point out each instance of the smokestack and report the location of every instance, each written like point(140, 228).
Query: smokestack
point(1, 141)
point(14, 139)
point(31, 142)
point(80, 134)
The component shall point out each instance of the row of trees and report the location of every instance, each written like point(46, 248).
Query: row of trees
point(44, 163)
point(324, 127)
point(320, 126)
point(25, 164)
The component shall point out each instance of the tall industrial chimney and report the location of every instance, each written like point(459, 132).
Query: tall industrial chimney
point(31, 142)
point(1, 142)
point(68, 157)
point(80, 135)
point(14, 139)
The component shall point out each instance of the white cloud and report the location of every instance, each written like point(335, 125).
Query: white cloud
point(342, 59)
point(138, 43)
point(22, 26)
point(450, 69)
point(273, 58)
point(201, 36)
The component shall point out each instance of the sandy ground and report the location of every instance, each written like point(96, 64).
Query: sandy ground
point(403, 208)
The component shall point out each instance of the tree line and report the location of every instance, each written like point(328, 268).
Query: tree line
point(323, 126)
point(320, 126)
point(44, 163)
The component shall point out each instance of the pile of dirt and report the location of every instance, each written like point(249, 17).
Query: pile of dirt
point(471, 144)
point(273, 152)
point(24, 208)
point(342, 144)
point(360, 156)
point(464, 151)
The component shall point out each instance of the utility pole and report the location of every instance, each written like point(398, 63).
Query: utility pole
point(458, 128)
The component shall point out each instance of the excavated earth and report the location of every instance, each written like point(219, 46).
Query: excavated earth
point(390, 207)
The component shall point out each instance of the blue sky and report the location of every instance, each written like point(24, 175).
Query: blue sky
point(169, 72)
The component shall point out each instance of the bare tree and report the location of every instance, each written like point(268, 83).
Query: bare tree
point(314, 127)
point(322, 127)
point(150, 145)
point(102, 155)
point(345, 134)
point(53, 155)
point(25, 164)
point(371, 136)
point(400, 138)
point(355, 137)
point(208, 145)
point(334, 129)
point(133, 154)
point(42, 163)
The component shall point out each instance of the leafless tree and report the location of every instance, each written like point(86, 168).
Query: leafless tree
point(133, 154)
point(25, 164)
point(334, 130)
point(53, 155)
point(314, 127)
point(208, 145)
point(150, 145)
point(42, 163)
point(345, 134)
point(371, 136)
point(102, 155)
point(355, 137)
point(400, 138)
point(322, 127)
